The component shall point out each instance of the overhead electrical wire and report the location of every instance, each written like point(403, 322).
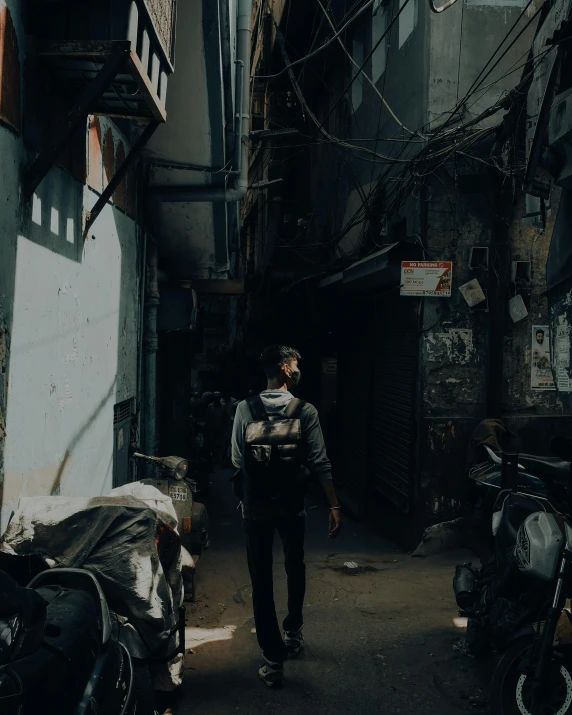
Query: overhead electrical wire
point(478, 77)
point(476, 83)
point(364, 63)
point(430, 153)
point(319, 125)
point(317, 51)
point(364, 73)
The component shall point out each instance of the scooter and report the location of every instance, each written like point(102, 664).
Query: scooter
point(59, 650)
point(172, 479)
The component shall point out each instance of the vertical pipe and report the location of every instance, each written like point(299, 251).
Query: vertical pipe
point(225, 42)
point(240, 79)
point(237, 190)
point(150, 346)
point(142, 290)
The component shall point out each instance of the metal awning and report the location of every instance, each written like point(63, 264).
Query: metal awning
point(381, 268)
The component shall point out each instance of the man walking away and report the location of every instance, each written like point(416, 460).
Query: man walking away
point(276, 440)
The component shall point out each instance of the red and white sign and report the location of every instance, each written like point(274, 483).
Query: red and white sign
point(427, 279)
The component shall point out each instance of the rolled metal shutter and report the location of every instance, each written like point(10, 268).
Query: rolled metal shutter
point(354, 397)
point(392, 425)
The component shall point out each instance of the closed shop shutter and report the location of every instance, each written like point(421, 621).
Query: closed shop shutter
point(393, 426)
point(354, 397)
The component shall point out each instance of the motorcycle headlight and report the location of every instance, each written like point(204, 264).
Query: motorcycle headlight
point(181, 469)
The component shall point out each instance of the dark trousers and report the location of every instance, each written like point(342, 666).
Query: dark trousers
point(259, 540)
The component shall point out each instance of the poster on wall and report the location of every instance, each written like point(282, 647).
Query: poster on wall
point(562, 356)
point(541, 376)
point(426, 279)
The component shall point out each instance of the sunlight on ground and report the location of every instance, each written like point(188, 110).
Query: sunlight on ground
point(460, 622)
point(195, 637)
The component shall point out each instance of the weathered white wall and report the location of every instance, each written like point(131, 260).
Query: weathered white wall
point(73, 348)
point(70, 311)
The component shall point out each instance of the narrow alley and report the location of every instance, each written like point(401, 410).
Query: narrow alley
point(380, 636)
point(257, 252)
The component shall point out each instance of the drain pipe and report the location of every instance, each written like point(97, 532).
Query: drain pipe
point(150, 346)
point(236, 191)
point(229, 126)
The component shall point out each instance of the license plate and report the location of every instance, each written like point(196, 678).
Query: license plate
point(178, 493)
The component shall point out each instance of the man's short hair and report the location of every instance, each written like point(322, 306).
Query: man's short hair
point(274, 356)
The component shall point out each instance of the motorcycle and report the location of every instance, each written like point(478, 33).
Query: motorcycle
point(59, 651)
point(100, 626)
point(515, 604)
point(173, 480)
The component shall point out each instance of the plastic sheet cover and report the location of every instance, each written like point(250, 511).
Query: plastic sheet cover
point(114, 537)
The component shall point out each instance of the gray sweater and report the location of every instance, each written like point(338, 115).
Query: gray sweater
point(275, 402)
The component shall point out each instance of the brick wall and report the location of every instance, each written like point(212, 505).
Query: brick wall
point(10, 109)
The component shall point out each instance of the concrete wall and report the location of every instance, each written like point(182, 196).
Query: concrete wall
point(456, 347)
point(193, 235)
point(528, 243)
point(69, 316)
point(453, 350)
point(478, 28)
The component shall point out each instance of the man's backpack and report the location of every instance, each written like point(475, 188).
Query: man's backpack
point(274, 452)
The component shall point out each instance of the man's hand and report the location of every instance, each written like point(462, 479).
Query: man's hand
point(335, 523)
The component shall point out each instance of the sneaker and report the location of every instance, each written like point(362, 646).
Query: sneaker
point(294, 642)
point(272, 674)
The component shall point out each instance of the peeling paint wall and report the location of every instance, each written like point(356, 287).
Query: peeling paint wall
point(528, 243)
point(453, 350)
point(561, 341)
point(69, 316)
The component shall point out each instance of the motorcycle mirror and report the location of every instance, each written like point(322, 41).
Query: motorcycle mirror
point(562, 448)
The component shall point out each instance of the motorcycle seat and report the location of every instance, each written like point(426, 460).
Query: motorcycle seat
point(549, 469)
point(55, 674)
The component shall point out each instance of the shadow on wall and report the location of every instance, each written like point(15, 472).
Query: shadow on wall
point(98, 379)
point(54, 217)
point(78, 436)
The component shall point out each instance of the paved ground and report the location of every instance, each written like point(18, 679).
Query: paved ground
point(380, 638)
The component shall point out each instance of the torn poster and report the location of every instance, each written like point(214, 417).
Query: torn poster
point(541, 367)
point(562, 356)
